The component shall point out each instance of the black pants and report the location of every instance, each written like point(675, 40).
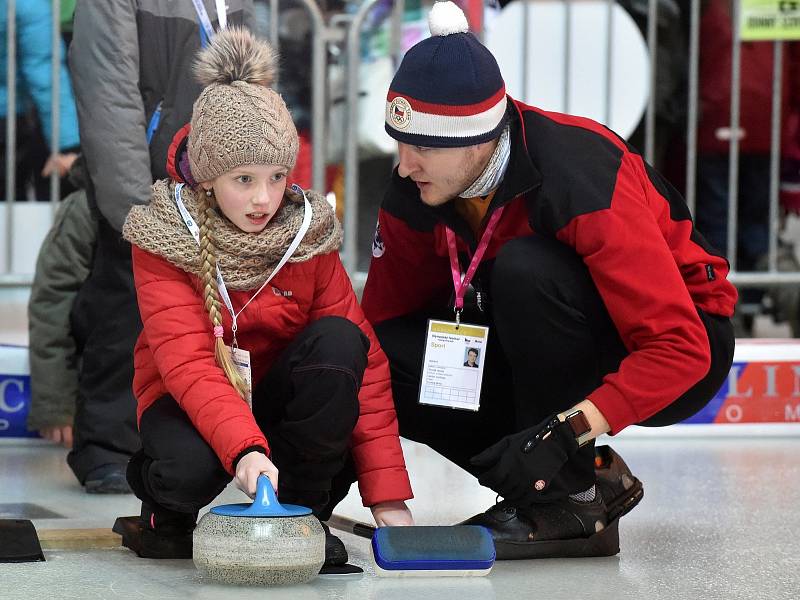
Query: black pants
point(30, 157)
point(307, 406)
point(550, 343)
point(105, 322)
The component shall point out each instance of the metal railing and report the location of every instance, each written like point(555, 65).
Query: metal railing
point(327, 32)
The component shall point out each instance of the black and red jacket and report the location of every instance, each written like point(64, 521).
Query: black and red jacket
point(574, 180)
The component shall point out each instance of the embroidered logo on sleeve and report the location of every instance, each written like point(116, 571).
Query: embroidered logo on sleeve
point(378, 247)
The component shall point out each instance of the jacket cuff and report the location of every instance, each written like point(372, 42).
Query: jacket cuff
point(39, 422)
point(247, 450)
point(384, 485)
point(73, 149)
point(619, 413)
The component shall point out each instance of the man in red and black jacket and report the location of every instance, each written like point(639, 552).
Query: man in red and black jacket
point(606, 308)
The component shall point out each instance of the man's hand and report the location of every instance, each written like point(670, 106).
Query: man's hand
point(391, 514)
point(521, 467)
point(58, 434)
point(250, 466)
point(59, 163)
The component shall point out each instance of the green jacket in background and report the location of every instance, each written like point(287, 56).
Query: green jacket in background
point(64, 261)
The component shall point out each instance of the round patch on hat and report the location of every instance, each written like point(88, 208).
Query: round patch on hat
point(400, 113)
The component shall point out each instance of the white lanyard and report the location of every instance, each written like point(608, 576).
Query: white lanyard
point(191, 225)
point(202, 14)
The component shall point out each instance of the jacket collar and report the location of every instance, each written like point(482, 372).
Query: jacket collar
point(522, 175)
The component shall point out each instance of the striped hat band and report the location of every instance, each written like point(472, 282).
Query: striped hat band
point(413, 121)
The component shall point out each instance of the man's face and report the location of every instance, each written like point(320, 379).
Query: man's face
point(441, 174)
point(472, 357)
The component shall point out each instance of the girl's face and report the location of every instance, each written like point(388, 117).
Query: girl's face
point(249, 195)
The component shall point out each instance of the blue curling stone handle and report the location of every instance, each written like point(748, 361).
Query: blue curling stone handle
point(265, 505)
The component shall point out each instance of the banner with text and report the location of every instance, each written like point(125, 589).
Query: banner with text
point(770, 20)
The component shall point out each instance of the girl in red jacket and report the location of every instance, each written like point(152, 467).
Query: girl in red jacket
point(255, 356)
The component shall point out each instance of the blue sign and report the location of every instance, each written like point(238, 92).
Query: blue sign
point(15, 403)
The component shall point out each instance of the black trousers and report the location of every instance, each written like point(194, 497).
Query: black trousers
point(306, 405)
point(551, 342)
point(31, 155)
point(106, 324)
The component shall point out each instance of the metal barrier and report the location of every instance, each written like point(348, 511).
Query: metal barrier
point(7, 277)
point(11, 278)
point(771, 276)
point(326, 34)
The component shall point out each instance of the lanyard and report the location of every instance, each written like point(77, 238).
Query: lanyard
point(202, 14)
point(460, 284)
point(154, 121)
point(191, 225)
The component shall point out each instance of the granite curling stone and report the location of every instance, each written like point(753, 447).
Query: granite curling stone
point(263, 543)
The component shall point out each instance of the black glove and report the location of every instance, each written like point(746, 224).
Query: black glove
point(521, 467)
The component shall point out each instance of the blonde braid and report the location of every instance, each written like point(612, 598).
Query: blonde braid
point(208, 268)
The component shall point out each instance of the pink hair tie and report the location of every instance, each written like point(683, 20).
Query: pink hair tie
point(218, 331)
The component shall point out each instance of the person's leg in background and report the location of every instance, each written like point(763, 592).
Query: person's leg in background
point(106, 320)
point(753, 234)
point(711, 213)
point(25, 157)
point(752, 219)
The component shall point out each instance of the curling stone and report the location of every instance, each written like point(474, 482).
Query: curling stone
point(263, 543)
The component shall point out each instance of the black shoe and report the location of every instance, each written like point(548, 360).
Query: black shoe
point(171, 537)
point(336, 556)
point(335, 552)
point(567, 528)
point(564, 528)
point(107, 479)
point(620, 490)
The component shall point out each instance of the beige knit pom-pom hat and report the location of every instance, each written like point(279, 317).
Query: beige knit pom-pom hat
point(238, 119)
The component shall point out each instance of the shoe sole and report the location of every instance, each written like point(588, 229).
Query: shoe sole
point(625, 503)
point(106, 487)
point(125, 528)
point(132, 539)
point(107, 490)
point(602, 543)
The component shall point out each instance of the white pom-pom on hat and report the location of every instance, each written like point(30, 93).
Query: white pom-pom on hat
point(446, 18)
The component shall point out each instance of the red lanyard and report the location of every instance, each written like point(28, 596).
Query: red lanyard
point(459, 284)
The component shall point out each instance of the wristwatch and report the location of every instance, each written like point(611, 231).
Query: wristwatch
point(579, 424)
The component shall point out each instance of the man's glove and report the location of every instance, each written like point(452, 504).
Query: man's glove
point(521, 467)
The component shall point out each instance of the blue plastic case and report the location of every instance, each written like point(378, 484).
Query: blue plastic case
point(433, 548)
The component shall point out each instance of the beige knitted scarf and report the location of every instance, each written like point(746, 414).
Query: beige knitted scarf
point(246, 260)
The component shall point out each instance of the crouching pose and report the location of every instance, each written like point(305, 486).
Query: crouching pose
point(255, 357)
point(581, 288)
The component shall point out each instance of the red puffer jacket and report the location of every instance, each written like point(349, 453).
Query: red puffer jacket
point(175, 355)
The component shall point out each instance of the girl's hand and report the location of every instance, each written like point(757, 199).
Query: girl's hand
point(250, 466)
point(392, 514)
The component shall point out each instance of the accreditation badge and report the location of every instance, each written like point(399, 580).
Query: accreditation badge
point(241, 360)
point(452, 370)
